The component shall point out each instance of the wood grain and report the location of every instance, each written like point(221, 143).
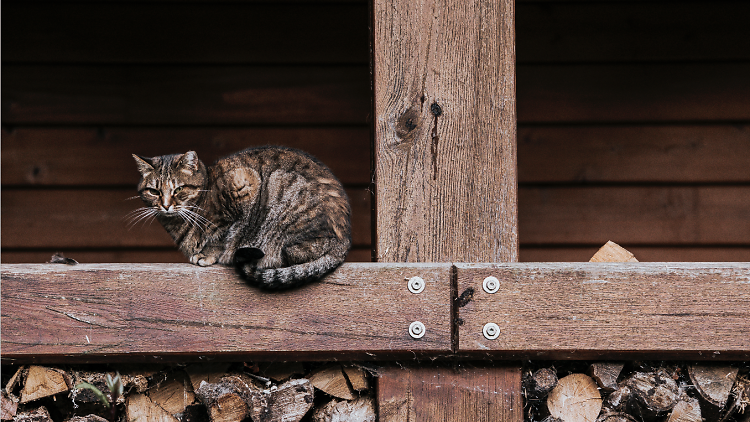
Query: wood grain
point(191, 32)
point(447, 394)
point(678, 92)
point(592, 310)
point(701, 215)
point(102, 156)
point(445, 131)
point(187, 95)
point(608, 31)
point(627, 154)
point(86, 218)
point(657, 253)
point(85, 313)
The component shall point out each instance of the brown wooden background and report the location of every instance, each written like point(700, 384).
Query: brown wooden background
point(634, 118)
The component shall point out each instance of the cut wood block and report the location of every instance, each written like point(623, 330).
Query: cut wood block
point(714, 383)
point(542, 381)
point(288, 402)
point(140, 408)
point(173, 394)
point(615, 417)
point(605, 374)
point(226, 400)
point(87, 418)
point(612, 252)
point(10, 386)
point(357, 377)
point(40, 414)
point(656, 391)
point(686, 410)
point(43, 382)
point(331, 380)
point(208, 372)
point(575, 399)
point(618, 401)
point(360, 410)
point(8, 407)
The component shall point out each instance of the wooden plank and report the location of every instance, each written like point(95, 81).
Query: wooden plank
point(644, 253)
point(100, 312)
point(606, 31)
point(56, 156)
point(700, 215)
point(612, 310)
point(611, 93)
point(200, 94)
point(445, 131)
point(647, 153)
point(446, 394)
point(228, 33)
point(134, 255)
point(97, 218)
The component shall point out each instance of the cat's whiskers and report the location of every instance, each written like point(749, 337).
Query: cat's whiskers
point(193, 218)
point(143, 214)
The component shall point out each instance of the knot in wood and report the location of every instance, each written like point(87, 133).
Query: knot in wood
point(406, 124)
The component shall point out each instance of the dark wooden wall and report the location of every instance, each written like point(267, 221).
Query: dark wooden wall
point(634, 118)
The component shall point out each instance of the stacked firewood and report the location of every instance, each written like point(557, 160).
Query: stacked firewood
point(214, 392)
point(638, 392)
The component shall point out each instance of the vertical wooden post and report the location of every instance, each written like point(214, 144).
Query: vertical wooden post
point(445, 175)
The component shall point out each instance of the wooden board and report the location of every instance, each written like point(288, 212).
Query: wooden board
point(186, 32)
point(445, 130)
point(644, 253)
point(608, 31)
point(701, 215)
point(626, 154)
point(448, 394)
point(188, 95)
point(98, 312)
point(608, 93)
point(102, 156)
point(612, 310)
point(97, 218)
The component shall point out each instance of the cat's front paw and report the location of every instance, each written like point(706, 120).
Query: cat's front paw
point(202, 260)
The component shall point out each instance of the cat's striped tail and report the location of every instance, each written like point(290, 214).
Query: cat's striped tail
point(285, 277)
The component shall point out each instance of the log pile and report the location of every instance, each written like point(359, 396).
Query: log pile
point(214, 392)
point(637, 391)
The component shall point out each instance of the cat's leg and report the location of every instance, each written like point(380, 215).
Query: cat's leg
point(209, 255)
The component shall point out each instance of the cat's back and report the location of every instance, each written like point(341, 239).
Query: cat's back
point(269, 159)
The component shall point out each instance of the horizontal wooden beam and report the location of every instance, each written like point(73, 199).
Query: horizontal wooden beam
point(91, 313)
point(108, 312)
point(606, 310)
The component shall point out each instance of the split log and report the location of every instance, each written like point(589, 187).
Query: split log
point(37, 415)
point(656, 392)
point(687, 409)
point(361, 410)
point(740, 407)
point(8, 407)
point(227, 399)
point(575, 398)
point(331, 380)
point(141, 408)
point(281, 371)
point(612, 252)
point(619, 400)
point(174, 394)
point(208, 372)
point(605, 374)
point(15, 379)
point(615, 417)
point(357, 377)
point(538, 384)
point(713, 383)
point(87, 418)
point(44, 382)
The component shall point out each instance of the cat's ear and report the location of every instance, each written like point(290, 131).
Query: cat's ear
point(144, 164)
point(190, 161)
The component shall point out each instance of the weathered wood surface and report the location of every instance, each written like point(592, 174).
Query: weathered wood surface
point(136, 312)
point(584, 311)
point(445, 129)
point(689, 253)
point(448, 394)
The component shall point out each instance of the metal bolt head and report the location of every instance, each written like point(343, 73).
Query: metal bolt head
point(416, 329)
point(491, 331)
point(491, 284)
point(416, 284)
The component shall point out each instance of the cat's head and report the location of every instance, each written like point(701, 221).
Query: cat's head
point(171, 184)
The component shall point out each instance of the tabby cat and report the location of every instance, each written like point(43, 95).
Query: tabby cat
point(278, 214)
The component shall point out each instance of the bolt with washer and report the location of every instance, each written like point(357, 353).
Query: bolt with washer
point(491, 331)
point(416, 284)
point(416, 329)
point(491, 284)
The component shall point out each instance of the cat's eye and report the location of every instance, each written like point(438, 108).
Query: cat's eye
point(153, 191)
point(177, 190)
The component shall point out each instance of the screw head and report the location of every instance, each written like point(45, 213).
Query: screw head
point(491, 331)
point(416, 329)
point(491, 284)
point(416, 284)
